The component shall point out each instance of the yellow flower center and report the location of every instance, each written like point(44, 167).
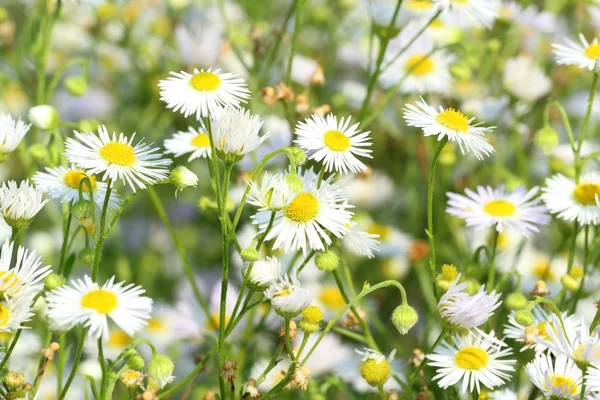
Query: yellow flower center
point(564, 382)
point(454, 120)
point(201, 140)
point(156, 325)
point(336, 141)
point(303, 208)
point(543, 271)
point(471, 358)
point(593, 51)
point(500, 208)
point(118, 153)
point(8, 280)
point(285, 291)
point(420, 65)
point(100, 300)
point(541, 328)
point(119, 338)
point(332, 297)
point(205, 81)
point(375, 373)
point(419, 4)
point(381, 230)
point(585, 193)
point(4, 315)
point(73, 179)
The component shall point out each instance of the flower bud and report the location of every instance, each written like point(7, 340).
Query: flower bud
point(44, 117)
point(311, 318)
point(263, 272)
point(76, 85)
point(205, 204)
point(14, 380)
point(86, 256)
point(576, 272)
point(294, 182)
point(54, 281)
point(375, 372)
point(134, 359)
point(88, 125)
point(516, 301)
point(404, 318)
point(181, 177)
point(447, 277)
point(296, 155)
point(569, 283)
point(546, 139)
point(524, 318)
point(38, 152)
point(249, 254)
point(160, 368)
point(132, 379)
point(82, 209)
point(327, 261)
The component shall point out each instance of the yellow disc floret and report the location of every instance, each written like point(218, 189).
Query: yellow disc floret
point(100, 300)
point(312, 314)
point(593, 51)
point(454, 120)
point(374, 372)
point(336, 141)
point(73, 179)
point(118, 153)
point(303, 208)
point(500, 208)
point(4, 315)
point(471, 358)
point(420, 65)
point(205, 81)
point(585, 193)
point(201, 140)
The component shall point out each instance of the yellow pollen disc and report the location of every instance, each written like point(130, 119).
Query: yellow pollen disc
point(217, 320)
point(593, 51)
point(375, 373)
point(500, 208)
point(382, 230)
point(100, 300)
point(336, 141)
point(541, 328)
point(437, 24)
point(303, 208)
point(422, 65)
point(564, 382)
point(543, 271)
point(4, 315)
point(201, 140)
point(471, 358)
point(118, 153)
point(119, 338)
point(156, 325)
point(73, 179)
point(285, 291)
point(454, 120)
point(9, 280)
point(419, 4)
point(206, 81)
point(332, 297)
point(585, 193)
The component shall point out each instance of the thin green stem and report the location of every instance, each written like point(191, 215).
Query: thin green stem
point(10, 349)
point(491, 271)
point(75, 366)
point(297, 20)
point(101, 237)
point(586, 262)
point(165, 393)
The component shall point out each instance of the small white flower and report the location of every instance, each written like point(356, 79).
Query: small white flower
point(263, 272)
point(518, 210)
point(236, 133)
point(451, 123)
point(272, 193)
point(574, 201)
point(203, 93)
point(26, 277)
point(573, 339)
point(360, 242)
point(11, 133)
point(19, 204)
point(474, 359)
point(287, 297)
point(469, 12)
point(460, 309)
point(524, 79)
point(194, 141)
point(335, 144)
point(370, 354)
point(85, 302)
point(556, 378)
point(14, 312)
point(117, 157)
point(44, 116)
point(583, 54)
point(5, 229)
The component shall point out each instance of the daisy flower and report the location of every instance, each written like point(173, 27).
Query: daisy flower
point(574, 201)
point(272, 193)
point(451, 123)
point(524, 79)
point(85, 302)
point(203, 93)
point(480, 13)
point(11, 133)
point(592, 380)
point(313, 213)
point(474, 359)
point(26, 277)
point(360, 242)
point(516, 210)
point(194, 141)
point(262, 273)
point(236, 133)
point(460, 309)
point(375, 367)
point(287, 297)
point(19, 204)
point(14, 312)
point(556, 378)
point(63, 184)
point(583, 54)
point(117, 157)
point(336, 144)
point(572, 339)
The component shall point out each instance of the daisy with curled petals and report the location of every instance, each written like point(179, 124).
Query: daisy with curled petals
point(573, 339)
point(204, 93)
point(194, 141)
point(475, 359)
point(85, 302)
point(557, 378)
point(518, 210)
point(583, 54)
point(271, 193)
point(237, 133)
point(336, 144)
point(313, 213)
point(20, 203)
point(26, 277)
point(11, 133)
point(63, 184)
point(462, 310)
point(117, 158)
point(451, 123)
point(288, 297)
point(574, 201)
point(470, 12)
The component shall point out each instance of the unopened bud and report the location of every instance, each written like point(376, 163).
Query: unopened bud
point(546, 139)
point(249, 254)
point(38, 152)
point(311, 318)
point(569, 283)
point(404, 318)
point(181, 178)
point(132, 379)
point(295, 154)
point(134, 359)
point(76, 85)
point(327, 261)
point(516, 301)
point(14, 380)
point(524, 318)
point(44, 117)
point(53, 281)
point(82, 209)
point(160, 368)
point(86, 256)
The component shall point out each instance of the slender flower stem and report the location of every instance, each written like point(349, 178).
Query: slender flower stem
point(272, 363)
point(100, 236)
point(382, 392)
point(586, 123)
point(66, 228)
point(273, 54)
point(288, 74)
point(586, 262)
point(491, 271)
point(432, 260)
point(175, 388)
point(10, 349)
point(76, 361)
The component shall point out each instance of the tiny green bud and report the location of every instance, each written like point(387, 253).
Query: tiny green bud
point(76, 85)
point(134, 359)
point(44, 117)
point(294, 182)
point(524, 318)
point(86, 256)
point(249, 254)
point(327, 261)
point(82, 209)
point(296, 155)
point(516, 301)
point(206, 204)
point(3, 14)
point(546, 139)
point(569, 283)
point(160, 368)
point(14, 380)
point(53, 281)
point(181, 177)
point(472, 286)
point(88, 125)
point(38, 152)
point(404, 318)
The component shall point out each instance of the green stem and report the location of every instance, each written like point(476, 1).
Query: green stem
point(10, 349)
point(491, 271)
point(165, 393)
point(586, 253)
point(288, 74)
point(586, 121)
point(76, 361)
point(382, 392)
point(101, 237)
point(66, 228)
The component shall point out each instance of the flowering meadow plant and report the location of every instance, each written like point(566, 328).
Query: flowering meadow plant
point(299, 199)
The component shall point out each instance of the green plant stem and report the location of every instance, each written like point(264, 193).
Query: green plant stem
point(11, 348)
point(382, 392)
point(272, 363)
point(233, 45)
point(76, 361)
point(273, 54)
point(586, 253)
point(101, 237)
point(491, 271)
point(66, 228)
point(297, 20)
point(305, 262)
point(586, 123)
point(165, 393)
